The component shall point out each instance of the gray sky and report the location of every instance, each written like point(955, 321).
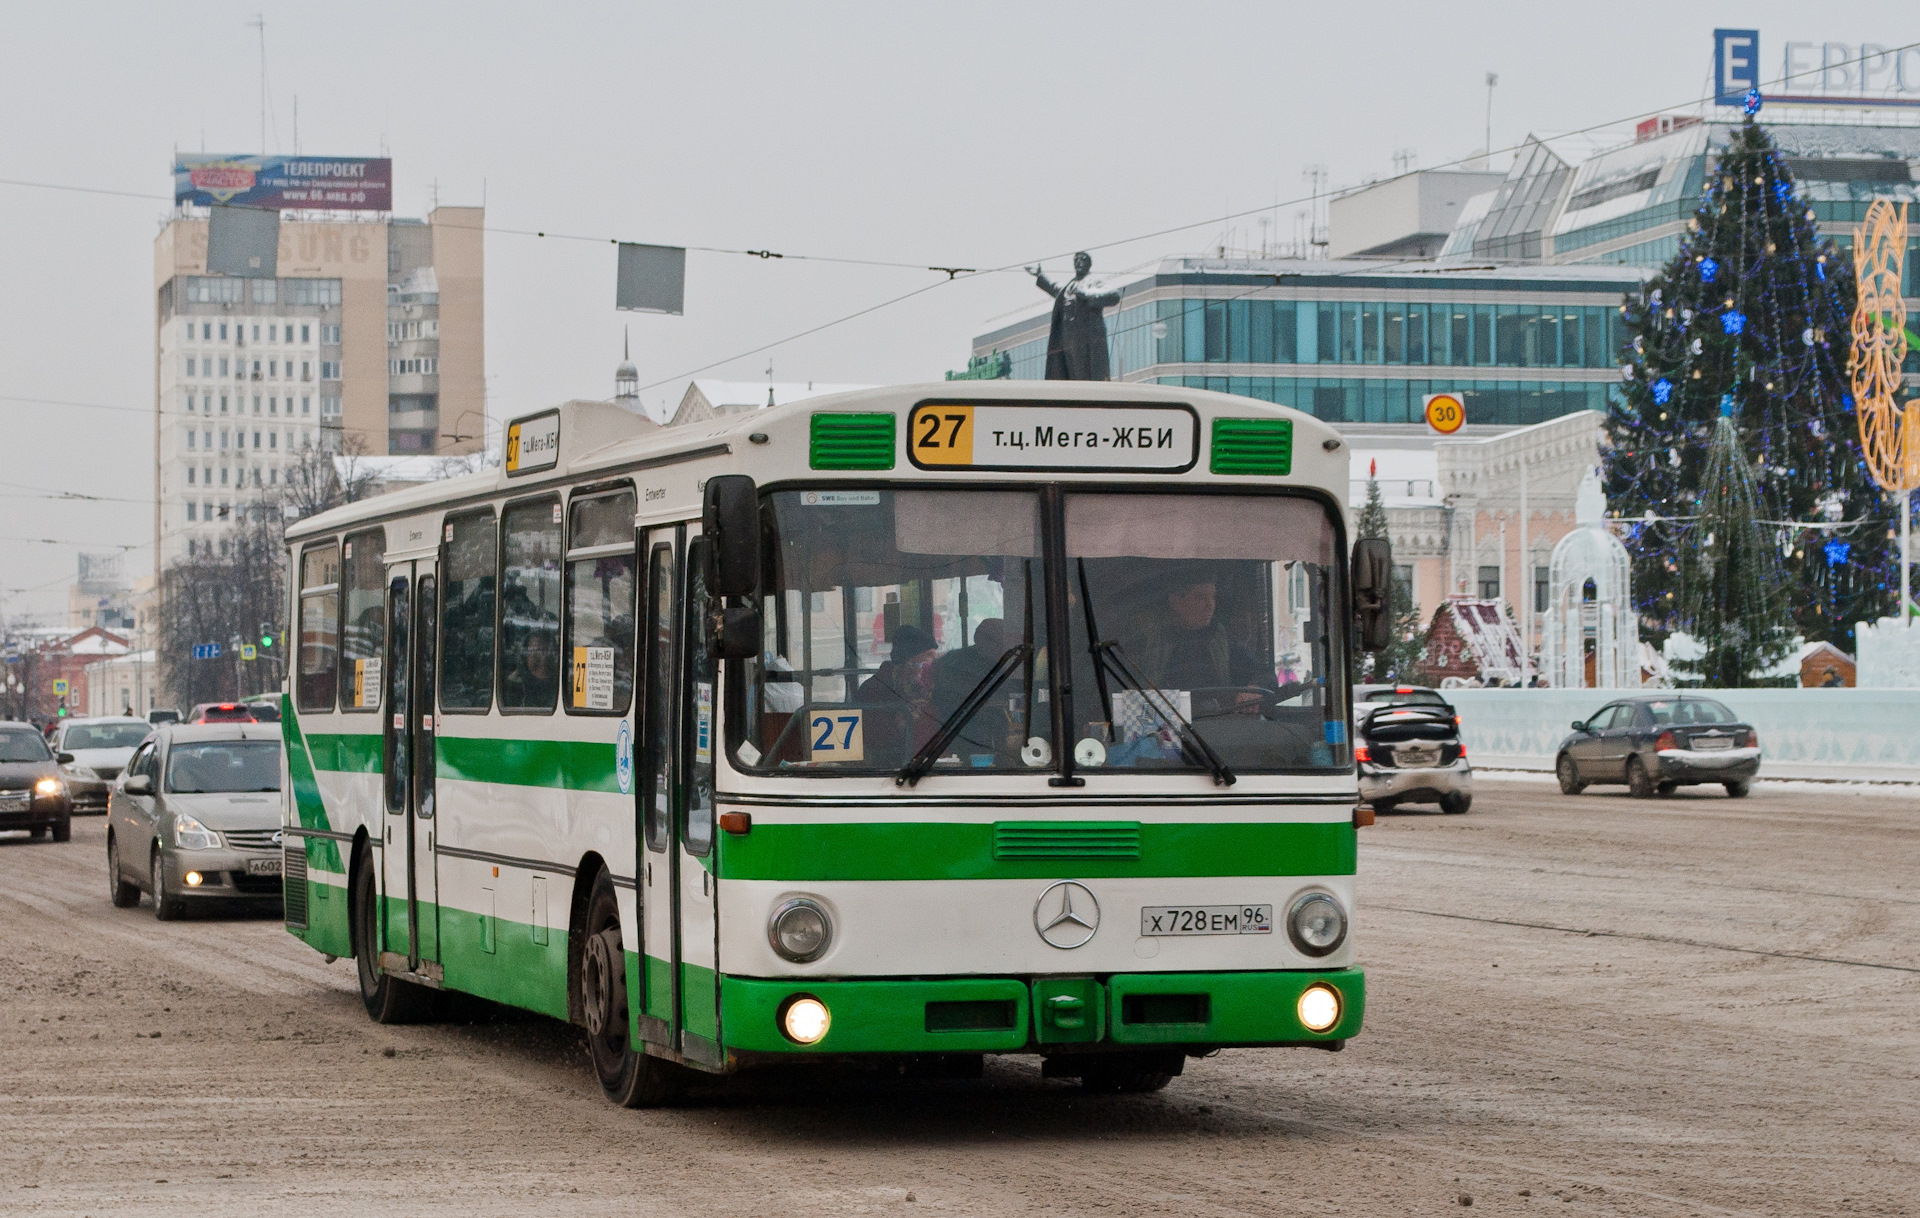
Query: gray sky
point(974, 135)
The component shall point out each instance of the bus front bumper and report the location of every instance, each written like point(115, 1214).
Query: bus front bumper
point(1043, 1014)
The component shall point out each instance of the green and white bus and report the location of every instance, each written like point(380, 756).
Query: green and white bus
point(915, 723)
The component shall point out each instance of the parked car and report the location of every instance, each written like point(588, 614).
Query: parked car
point(1408, 749)
point(161, 715)
point(100, 748)
point(1657, 742)
point(221, 712)
point(33, 796)
point(196, 817)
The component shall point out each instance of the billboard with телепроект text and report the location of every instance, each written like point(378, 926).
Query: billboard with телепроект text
point(329, 183)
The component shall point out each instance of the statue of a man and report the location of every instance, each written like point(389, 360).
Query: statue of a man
point(1077, 343)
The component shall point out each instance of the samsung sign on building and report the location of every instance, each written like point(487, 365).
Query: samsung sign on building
point(1815, 73)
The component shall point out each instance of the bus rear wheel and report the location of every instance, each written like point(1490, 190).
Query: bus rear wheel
point(628, 1075)
point(388, 999)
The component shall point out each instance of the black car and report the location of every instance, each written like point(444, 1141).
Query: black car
point(1655, 743)
point(33, 796)
point(1408, 749)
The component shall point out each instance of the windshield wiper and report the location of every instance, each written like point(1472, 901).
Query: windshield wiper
point(922, 761)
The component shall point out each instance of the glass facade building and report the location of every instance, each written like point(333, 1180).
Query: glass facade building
point(1361, 342)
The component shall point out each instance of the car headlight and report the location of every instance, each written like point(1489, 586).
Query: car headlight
point(1316, 924)
point(190, 834)
point(49, 787)
point(800, 931)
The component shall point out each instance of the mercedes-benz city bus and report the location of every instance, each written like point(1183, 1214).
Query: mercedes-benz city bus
point(912, 723)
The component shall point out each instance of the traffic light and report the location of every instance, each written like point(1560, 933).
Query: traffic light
point(266, 634)
point(266, 640)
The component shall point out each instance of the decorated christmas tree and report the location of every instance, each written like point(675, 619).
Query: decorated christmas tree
point(1748, 323)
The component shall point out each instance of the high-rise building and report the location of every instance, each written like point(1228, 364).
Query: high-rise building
point(369, 340)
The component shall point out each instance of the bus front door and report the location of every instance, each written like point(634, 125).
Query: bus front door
point(678, 889)
point(409, 880)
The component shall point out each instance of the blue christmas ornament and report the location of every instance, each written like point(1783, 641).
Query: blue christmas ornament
point(1837, 552)
point(1708, 268)
point(1726, 405)
point(1781, 190)
point(1662, 390)
point(1733, 321)
point(1846, 403)
point(1752, 105)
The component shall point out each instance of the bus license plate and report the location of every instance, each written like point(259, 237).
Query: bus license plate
point(263, 866)
point(1206, 920)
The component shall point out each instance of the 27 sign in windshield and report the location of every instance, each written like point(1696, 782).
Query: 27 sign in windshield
point(1045, 435)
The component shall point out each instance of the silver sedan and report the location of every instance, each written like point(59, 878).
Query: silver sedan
point(196, 817)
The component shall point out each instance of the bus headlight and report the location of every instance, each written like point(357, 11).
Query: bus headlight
point(805, 1020)
point(1316, 924)
point(1319, 1007)
point(800, 931)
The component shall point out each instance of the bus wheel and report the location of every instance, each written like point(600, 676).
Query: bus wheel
point(387, 999)
point(628, 1076)
point(1131, 1073)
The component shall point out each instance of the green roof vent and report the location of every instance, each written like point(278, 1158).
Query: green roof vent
point(1252, 446)
point(851, 441)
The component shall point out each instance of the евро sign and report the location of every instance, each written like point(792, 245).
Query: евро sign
point(1817, 73)
point(1051, 435)
point(533, 443)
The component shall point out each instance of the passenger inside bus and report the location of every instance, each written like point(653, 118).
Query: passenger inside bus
point(535, 674)
point(897, 695)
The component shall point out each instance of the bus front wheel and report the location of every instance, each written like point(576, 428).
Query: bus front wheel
point(388, 999)
point(628, 1075)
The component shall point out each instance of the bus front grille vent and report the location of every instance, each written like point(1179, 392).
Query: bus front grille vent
point(293, 872)
point(1252, 446)
point(844, 440)
point(1030, 839)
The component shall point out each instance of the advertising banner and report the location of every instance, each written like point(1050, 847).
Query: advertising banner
point(332, 183)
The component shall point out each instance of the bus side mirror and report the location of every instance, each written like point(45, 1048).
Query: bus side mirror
point(730, 519)
point(1372, 592)
point(736, 634)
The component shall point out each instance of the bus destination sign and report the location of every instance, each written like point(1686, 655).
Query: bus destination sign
point(1053, 435)
point(533, 443)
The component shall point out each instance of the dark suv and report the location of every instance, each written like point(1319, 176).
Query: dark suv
point(33, 795)
point(1657, 742)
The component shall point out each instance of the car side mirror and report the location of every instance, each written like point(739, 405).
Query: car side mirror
point(730, 519)
point(1373, 592)
point(138, 784)
point(1579, 725)
point(63, 758)
point(737, 633)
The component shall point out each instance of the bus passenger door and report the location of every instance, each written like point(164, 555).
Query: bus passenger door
point(408, 883)
point(677, 889)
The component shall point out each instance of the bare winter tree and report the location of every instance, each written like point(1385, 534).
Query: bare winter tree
point(229, 591)
point(321, 478)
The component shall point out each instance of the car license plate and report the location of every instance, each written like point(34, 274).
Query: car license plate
point(263, 866)
point(13, 803)
point(1710, 744)
point(1206, 920)
point(1414, 758)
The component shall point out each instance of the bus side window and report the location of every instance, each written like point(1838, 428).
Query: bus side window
point(657, 790)
point(467, 616)
point(364, 624)
point(530, 607)
point(319, 628)
point(600, 605)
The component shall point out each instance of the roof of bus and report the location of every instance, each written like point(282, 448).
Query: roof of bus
point(622, 439)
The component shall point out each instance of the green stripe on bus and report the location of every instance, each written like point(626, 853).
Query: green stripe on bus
point(575, 765)
point(341, 753)
point(308, 805)
point(895, 851)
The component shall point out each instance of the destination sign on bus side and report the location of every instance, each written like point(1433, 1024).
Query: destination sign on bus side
point(1048, 435)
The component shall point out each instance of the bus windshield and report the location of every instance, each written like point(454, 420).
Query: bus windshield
point(890, 615)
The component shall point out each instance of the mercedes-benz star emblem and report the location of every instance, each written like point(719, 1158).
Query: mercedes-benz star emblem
point(1066, 915)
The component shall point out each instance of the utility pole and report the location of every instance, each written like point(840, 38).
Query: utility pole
point(1493, 78)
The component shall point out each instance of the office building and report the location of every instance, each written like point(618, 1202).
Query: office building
point(369, 339)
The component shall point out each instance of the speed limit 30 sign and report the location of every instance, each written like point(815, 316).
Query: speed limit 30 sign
point(1445, 412)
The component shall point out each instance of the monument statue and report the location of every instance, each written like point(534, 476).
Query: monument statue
point(1077, 343)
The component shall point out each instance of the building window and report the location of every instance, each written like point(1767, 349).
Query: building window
point(256, 365)
point(329, 408)
point(329, 370)
point(1539, 589)
point(223, 475)
point(190, 437)
point(313, 292)
point(1489, 583)
point(190, 512)
point(191, 470)
point(305, 331)
point(223, 366)
point(273, 439)
point(256, 439)
point(223, 438)
point(273, 477)
point(223, 403)
point(306, 404)
point(273, 369)
point(306, 370)
point(329, 333)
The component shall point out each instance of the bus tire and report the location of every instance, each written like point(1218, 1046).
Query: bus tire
point(388, 999)
point(1130, 1073)
point(628, 1075)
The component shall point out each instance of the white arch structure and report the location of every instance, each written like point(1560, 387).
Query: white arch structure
point(1590, 603)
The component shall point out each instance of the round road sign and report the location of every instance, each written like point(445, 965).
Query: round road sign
point(1445, 413)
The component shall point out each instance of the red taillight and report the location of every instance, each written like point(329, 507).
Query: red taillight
point(1752, 740)
point(1463, 751)
point(1363, 754)
point(228, 706)
point(1666, 741)
point(1403, 689)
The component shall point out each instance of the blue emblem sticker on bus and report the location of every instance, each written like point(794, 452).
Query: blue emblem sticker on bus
point(623, 757)
point(1336, 732)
